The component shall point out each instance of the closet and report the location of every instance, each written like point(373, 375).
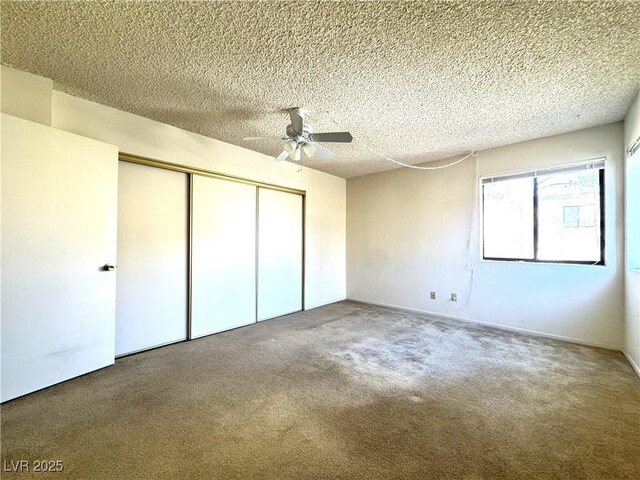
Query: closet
point(201, 253)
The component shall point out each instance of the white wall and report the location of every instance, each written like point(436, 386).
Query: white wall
point(25, 95)
point(408, 233)
point(632, 277)
point(325, 279)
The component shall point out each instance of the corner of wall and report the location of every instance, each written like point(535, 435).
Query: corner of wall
point(630, 359)
point(632, 123)
point(409, 234)
point(25, 95)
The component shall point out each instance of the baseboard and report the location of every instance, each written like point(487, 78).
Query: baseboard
point(494, 325)
point(634, 365)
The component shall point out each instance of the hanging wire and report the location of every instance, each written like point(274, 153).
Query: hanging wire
point(473, 230)
point(417, 167)
point(398, 162)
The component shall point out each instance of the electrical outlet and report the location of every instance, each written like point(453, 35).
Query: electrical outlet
point(433, 295)
point(454, 297)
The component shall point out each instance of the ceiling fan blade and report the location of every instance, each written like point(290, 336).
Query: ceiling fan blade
point(322, 152)
point(342, 137)
point(282, 157)
point(253, 139)
point(297, 121)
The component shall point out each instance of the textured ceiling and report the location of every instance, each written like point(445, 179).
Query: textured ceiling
point(417, 81)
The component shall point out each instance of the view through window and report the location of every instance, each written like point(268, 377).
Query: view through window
point(555, 215)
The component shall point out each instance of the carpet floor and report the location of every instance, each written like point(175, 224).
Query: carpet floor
point(345, 391)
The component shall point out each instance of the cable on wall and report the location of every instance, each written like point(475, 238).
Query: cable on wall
point(473, 229)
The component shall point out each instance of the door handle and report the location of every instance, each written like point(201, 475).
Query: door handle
point(108, 267)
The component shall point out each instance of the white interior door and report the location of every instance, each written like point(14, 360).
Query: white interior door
point(279, 253)
point(151, 300)
point(59, 209)
point(223, 255)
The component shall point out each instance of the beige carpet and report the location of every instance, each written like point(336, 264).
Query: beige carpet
point(343, 391)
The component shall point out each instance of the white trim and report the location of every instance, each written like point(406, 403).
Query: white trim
point(634, 365)
point(495, 325)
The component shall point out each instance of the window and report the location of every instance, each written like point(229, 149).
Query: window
point(555, 215)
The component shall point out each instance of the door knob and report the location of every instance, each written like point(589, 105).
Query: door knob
point(108, 268)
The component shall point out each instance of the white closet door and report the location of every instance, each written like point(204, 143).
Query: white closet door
point(279, 253)
point(151, 306)
point(59, 215)
point(223, 255)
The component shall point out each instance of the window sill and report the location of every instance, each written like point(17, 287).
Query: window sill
point(548, 263)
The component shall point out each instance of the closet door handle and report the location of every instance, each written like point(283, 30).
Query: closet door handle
point(108, 267)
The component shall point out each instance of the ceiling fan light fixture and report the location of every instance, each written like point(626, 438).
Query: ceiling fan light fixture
point(290, 146)
point(295, 155)
point(309, 149)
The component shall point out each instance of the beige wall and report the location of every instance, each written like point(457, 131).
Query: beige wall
point(632, 277)
point(25, 95)
point(411, 232)
point(632, 123)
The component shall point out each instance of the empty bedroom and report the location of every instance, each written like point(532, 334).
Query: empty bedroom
point(320, 239)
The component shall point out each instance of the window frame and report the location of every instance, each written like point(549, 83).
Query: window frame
point(595, 164)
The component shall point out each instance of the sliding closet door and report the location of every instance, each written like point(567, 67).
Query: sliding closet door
point(151, 306)
point(279, 253)
point(223, 255)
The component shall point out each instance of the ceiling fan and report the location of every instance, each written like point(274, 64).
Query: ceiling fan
point(301, 139)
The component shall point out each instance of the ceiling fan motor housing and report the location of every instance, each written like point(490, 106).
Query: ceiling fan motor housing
point(306, 131)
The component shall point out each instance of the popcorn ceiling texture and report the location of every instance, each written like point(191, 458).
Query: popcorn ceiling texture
point(417, 81)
